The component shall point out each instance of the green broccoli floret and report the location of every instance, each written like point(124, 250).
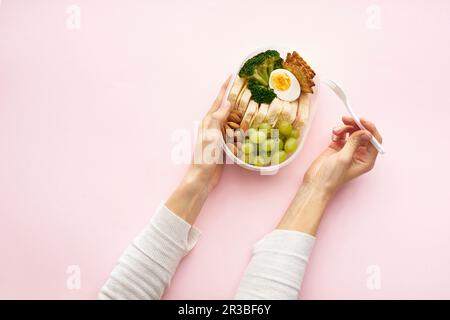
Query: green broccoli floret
point(260, 93)
point(260, 66)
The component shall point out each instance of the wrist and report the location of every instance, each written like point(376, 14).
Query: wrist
point(196, 180)
point(189, 196)
point(321, 192)
point(306, 209)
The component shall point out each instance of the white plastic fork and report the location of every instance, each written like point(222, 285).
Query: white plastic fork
point(341, 94)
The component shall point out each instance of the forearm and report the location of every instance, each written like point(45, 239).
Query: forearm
point(306, 209)
point(190, 195)
point(279, 260)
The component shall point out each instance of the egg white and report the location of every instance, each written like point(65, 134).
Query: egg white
point(294, 90)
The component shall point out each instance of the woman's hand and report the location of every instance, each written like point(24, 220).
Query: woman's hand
point(207, 162)
point(208, 158)
point(344, 159)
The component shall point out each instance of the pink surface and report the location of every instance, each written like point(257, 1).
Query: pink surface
point(86, 117)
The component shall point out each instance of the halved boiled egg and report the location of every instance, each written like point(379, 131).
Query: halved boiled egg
point(284, 84)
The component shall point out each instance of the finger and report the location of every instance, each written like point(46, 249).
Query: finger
point(339, 136)
point(372, 129)
point(344, 129)
point(349, 121)
point(337, 144)
point(222, 113)
point(367, 124)
point(357, 139)
point(220, 96)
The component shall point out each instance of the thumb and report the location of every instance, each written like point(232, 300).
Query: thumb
point(223, 111)
point(356, 139)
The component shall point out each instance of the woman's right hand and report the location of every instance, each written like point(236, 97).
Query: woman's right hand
point(345, 158)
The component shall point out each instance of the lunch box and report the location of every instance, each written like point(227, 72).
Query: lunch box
point(272, 169)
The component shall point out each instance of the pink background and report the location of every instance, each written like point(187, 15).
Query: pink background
point(86, 118)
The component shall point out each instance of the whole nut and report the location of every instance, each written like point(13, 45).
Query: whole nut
point(233, 125)
point(234, 118)
point(233, 148)
point(237, 113)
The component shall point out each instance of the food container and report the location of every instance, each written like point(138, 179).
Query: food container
point(273, 168)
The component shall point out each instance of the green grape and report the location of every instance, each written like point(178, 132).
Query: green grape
point(265, 127)
point(251, 131)
point(248, 148)
point(252, 158)
point(290, 145)
point(285, 128)
point(257, 137)
point(248, 158)
point(280, 144)
point(279, 157)
point(268, 145)
point(295, 133)
point(260, 161)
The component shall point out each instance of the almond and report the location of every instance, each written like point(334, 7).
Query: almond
point(236, 112)
point(233, 125)
point(234, 118)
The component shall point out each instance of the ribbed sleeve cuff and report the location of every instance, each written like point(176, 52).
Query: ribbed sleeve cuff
point(287, 242)
point(175, 227)
point(277, 266)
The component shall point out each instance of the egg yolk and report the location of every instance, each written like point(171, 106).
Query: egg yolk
point(281, 81)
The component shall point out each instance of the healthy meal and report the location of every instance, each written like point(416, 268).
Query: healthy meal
point(270, 101)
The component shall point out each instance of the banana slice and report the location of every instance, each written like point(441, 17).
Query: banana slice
point(248, 116)
point(275, 108)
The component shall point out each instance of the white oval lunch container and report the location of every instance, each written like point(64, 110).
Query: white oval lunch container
point(272, 169)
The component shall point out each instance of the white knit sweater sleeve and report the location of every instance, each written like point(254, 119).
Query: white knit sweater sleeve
point(146, 267)
point(277, 266)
